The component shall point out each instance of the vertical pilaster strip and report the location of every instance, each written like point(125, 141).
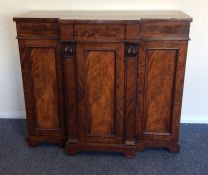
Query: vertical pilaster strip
point(131, 54)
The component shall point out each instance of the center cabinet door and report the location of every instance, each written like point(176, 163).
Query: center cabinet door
point(100, 73)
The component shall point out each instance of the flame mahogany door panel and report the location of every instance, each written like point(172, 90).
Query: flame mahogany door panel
point(162, 67)
point(42, 78)
point(100, 91)
point(96, 115)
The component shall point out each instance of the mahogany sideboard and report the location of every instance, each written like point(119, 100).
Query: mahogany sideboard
point(103, 80)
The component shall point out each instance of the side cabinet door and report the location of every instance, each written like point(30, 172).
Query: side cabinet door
point(100, 73)
point(42, 78)
point(161, 67)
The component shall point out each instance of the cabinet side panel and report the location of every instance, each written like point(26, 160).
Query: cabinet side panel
point(100, 95)
point(44, 83)
point(159, 81)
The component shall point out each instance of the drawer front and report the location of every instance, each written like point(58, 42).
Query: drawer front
point(98, 32)
point(30, 29)
point(162, 29)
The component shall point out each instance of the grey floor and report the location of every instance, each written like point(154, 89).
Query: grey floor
point(17, 158)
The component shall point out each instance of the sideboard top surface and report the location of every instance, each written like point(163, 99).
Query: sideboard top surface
point(104, 15)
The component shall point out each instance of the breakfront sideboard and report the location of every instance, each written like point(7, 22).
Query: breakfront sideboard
point(103, 81)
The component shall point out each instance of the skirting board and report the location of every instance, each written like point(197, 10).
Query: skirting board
point(194, 119)
point(13, 115)
point(184, 118)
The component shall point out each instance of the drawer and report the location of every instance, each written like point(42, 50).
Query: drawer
point(32, 29)
point(98, 32)
point(163, 29)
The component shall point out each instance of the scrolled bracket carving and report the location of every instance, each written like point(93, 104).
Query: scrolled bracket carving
point(131, 49)
point(69, 49)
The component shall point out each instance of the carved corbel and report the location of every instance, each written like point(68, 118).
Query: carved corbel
point(69, 49)
point(131, 49)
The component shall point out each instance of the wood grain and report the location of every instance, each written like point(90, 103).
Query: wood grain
point(177, 51)
point(100, 91)
point(103, 16)
point(160, 75)
point(93, 32)
point(132, 31)
point(31, 29)
point(43, 74)
point(130, 98)
point(121, 75)
point(38, 135)
point(163, 29)
point(66, 32)
point(70, 97)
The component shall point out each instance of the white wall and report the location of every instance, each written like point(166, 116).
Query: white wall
point(195, 105)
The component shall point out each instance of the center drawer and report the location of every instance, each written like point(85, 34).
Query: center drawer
point(99, 32)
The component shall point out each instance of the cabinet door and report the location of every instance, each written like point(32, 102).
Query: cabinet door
point(100, 73)
point(161, 69)
point(41, 69)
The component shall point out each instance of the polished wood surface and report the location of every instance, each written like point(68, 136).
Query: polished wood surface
point(86, 32)
point(103, 81)
point(162, 101)
point(100, 78)
point(44, 80)
point(130, 97)
point(25, 29)
point(159, 81)
point(105, 15)
point(100, 91)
